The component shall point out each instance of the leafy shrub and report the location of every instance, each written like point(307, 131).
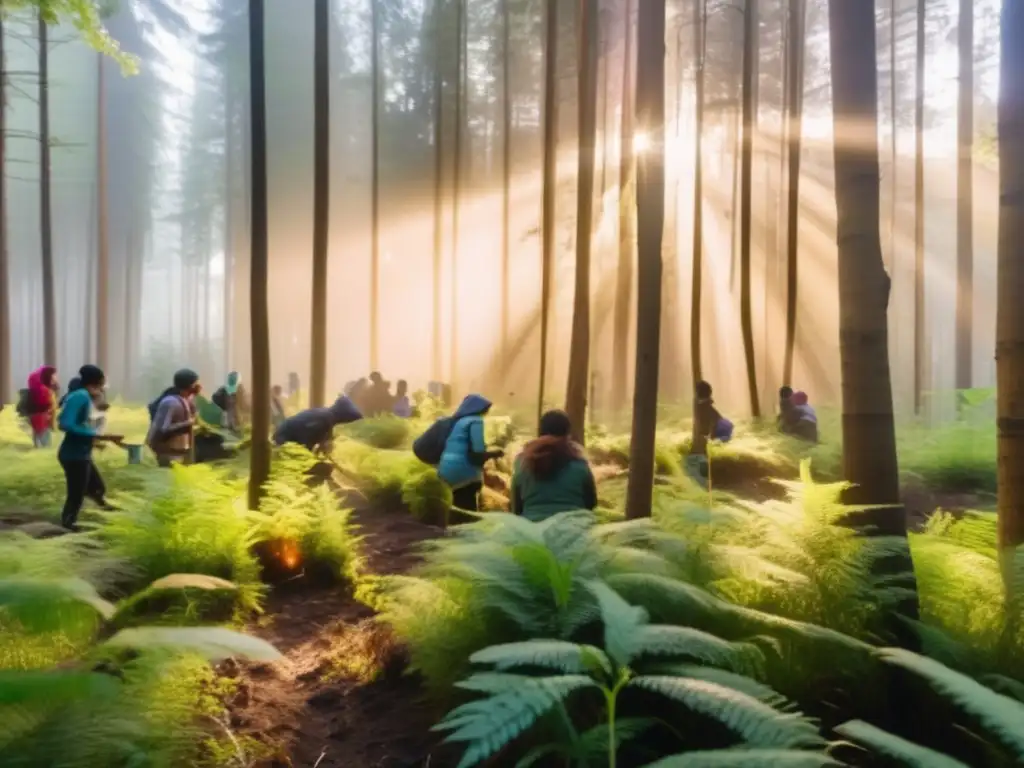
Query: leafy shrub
point(387, 432)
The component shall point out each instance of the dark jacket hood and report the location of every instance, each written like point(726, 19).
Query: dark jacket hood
point(472, 405)
point(344, 411)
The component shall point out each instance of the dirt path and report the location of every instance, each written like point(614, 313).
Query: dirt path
point(339, 698)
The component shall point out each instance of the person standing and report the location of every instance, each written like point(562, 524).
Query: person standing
point(75, 455)
point(42, 405)
point(171, 432)
point(402, 407)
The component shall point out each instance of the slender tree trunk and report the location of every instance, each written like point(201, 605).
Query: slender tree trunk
point(750, 34)
point(550, 181)
point(794, 142)
point(375, 189)
point(321, 200)
point(919, 297)
point(700, 11)
point(869, 434)
point(229, 227)
point(579, 355)
point(5, 287)
point(506, 182)
point(1010, 282)
point(460, 94)
point(650, 211)
point(45, 208)
point(259, 468)
point(102, 220)
point(965, 200)
point(438, 185)
point(627, 210)
point(894, 173)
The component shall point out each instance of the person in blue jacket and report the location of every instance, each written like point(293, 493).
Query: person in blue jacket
point(75, 454)
point(465, 453)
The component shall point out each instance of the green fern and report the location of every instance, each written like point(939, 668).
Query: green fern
point(904, 752)
point(746, 758)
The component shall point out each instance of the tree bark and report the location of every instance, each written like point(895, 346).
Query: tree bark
point(506, 181)
point(794, 143)
point(965, 200)
point(650, 210)
point(548, 194)
point(460, 94)
point(375, 189)
point(259, 468)
point(627, 211)
point(579, 351)
point(321, 200)
point(5, 287)
point(1010, 279)
point(750, 34)
point(102, 220)
point(436, 356)
point(700, 12)
point(45, 207)
point(869, 435)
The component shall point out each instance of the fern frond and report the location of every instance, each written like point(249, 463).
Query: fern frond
point(489, 725)
point(212, 643)
point(18, 595)
point(754, 721)
point(621, 622)
point(906, 752)
point(664, 640)
point(560, 655)
point(746, 758)
point(1002, 716)
point(593, 743)
point(51, 686)
point(741, 683)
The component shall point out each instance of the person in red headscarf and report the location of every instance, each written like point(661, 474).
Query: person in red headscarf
point(42, 404)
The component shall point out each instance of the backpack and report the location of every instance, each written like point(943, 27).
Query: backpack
point(429, 446)
point(23, 406)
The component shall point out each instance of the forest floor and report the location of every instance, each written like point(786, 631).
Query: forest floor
point(340, 697)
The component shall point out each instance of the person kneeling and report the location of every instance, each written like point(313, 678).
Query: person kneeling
point(552, 475)
point(314, 428)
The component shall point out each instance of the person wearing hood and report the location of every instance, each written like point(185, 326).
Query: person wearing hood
point(172, 429)
point(42, 405)
point(803, 419)
point(552, 475)
point(465, 453)
point(313, 428)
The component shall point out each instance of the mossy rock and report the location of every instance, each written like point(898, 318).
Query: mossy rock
point(180, 599)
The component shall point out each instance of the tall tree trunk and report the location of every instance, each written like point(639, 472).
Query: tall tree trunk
point(5, 287)
point(550, 181)
point(45, 208)
point(438, 185)
point(321, 200)
point(460, 94)
point(965, 200)
point(375, 188)
point(894, 157)
point(750, 35)
point(229, 227)
point(259, 468)
point(579, 354)
point(102, 220)
point(627, 210)
point(794, 147)
point(506, 181)
point(1010, 282)
point(869, 434)
point(919, 298)
point(650, 212)
point(700, 15)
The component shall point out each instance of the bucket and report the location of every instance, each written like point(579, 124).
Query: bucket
point(134, 453)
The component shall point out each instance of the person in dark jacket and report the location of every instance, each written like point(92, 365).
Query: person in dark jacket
point(378, 398)
point(552, 475)
point(75, 454)
point(785, 419)
point(314, 427)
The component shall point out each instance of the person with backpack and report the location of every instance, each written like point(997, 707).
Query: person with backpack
point(230, 398)
point(462, 460)
point(552, 474)
point(313, 428)
point(173, 420)
point(40, 405)
point(75, 454)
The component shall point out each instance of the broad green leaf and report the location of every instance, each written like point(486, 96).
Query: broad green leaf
point(212, 643)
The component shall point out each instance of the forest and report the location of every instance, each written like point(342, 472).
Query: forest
point(570, 383)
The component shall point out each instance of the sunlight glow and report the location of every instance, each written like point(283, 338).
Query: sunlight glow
point(641, 142)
